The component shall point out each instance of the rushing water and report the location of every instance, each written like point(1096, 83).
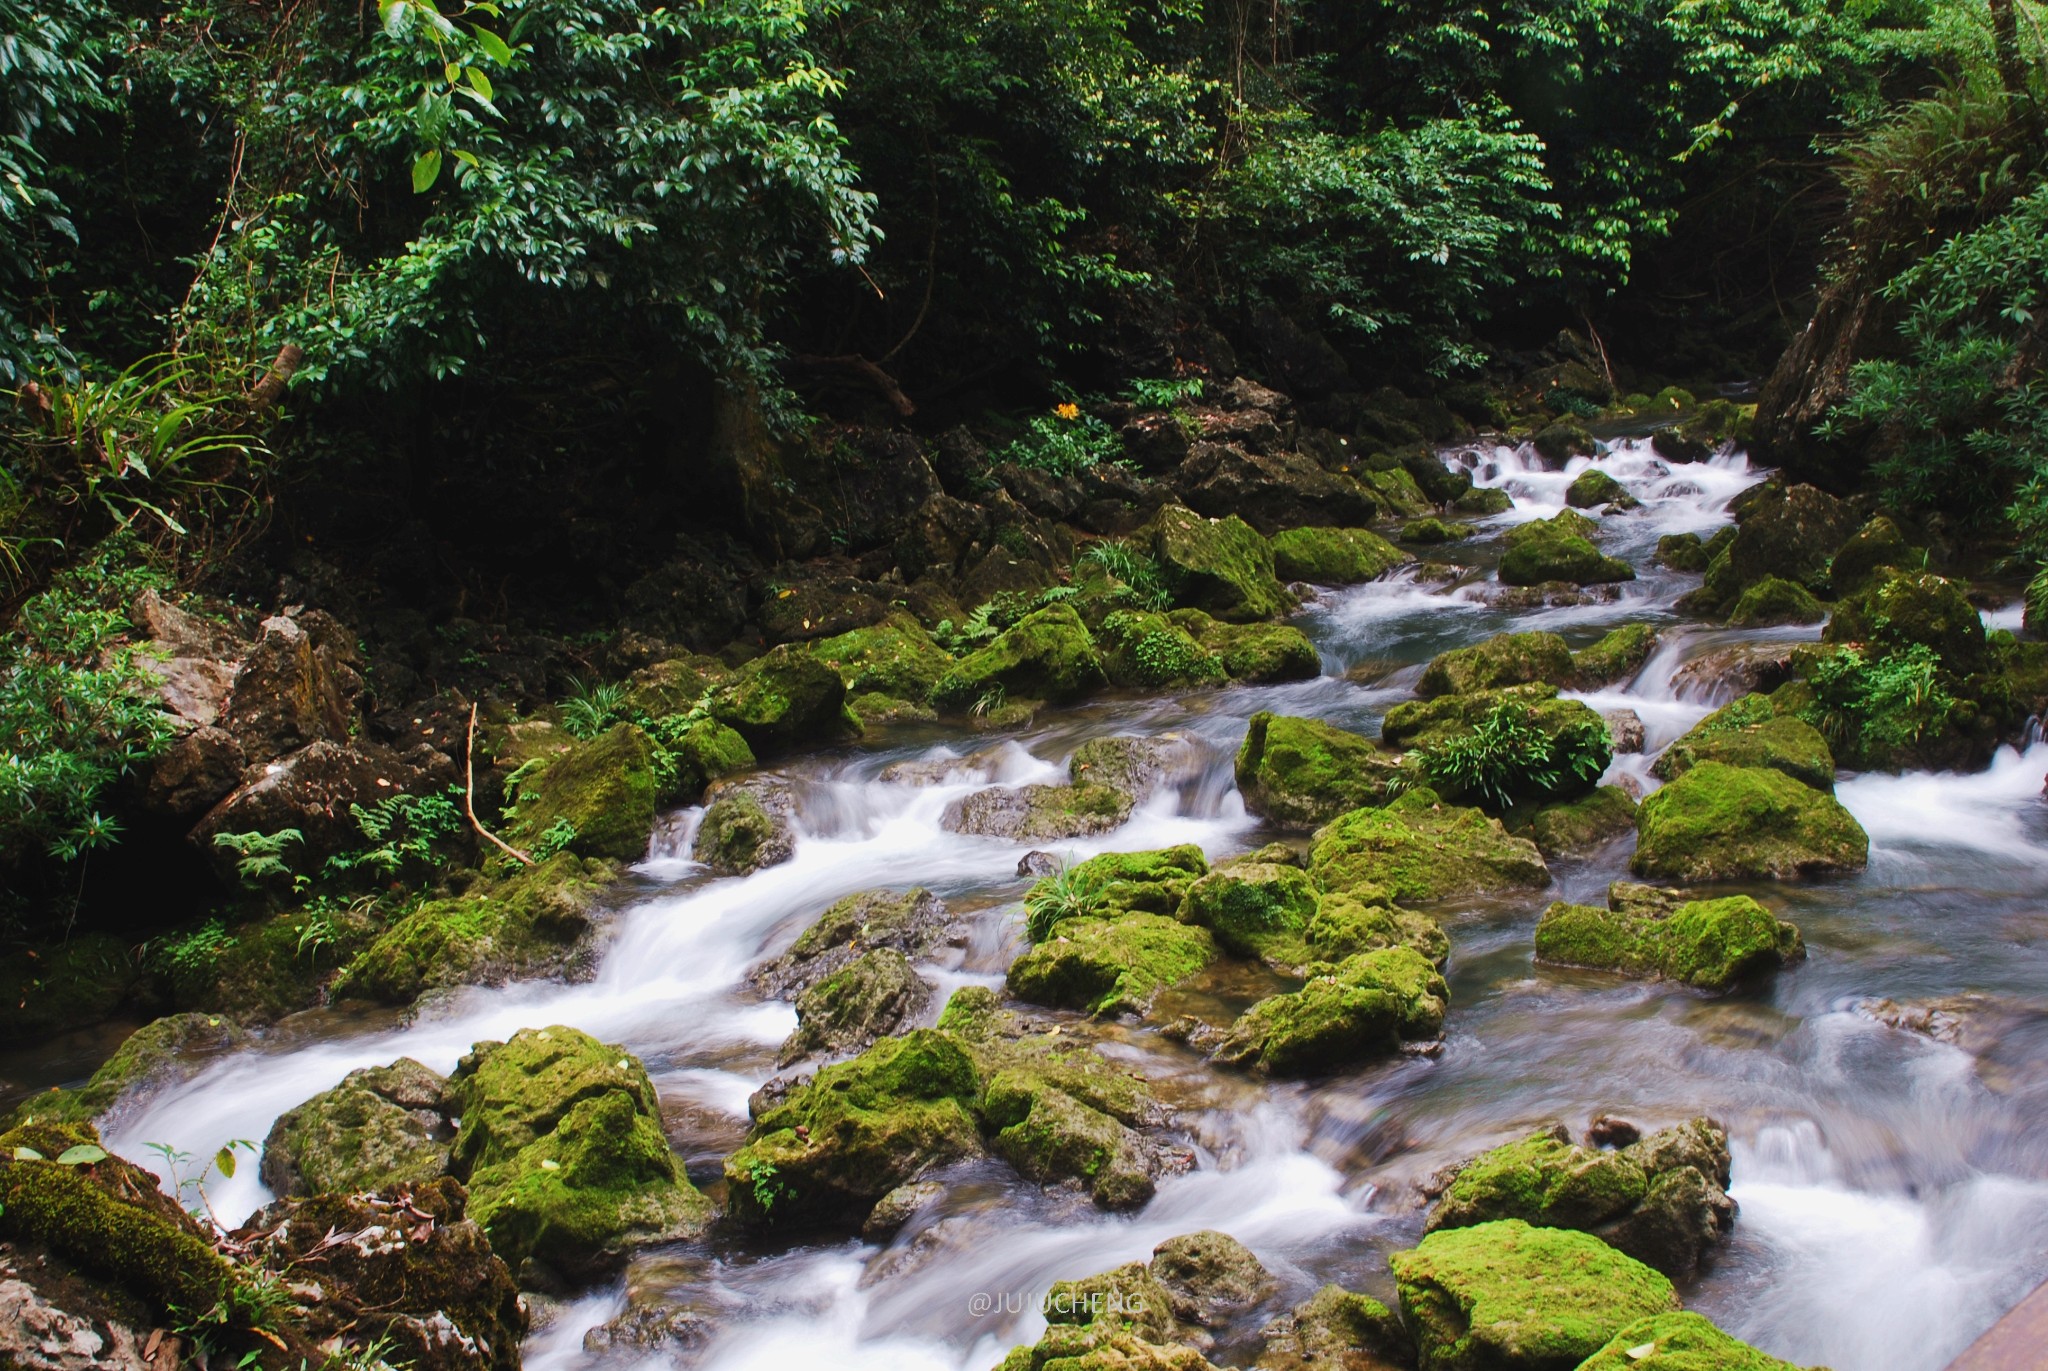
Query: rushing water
point(1894, 1188)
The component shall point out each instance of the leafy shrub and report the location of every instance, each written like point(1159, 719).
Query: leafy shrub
point(1064, 443)
point(1871, 708)
point(402, 829)
point(1508, 757)
point(591, 709)
point(1066, 894)
point(259, 856)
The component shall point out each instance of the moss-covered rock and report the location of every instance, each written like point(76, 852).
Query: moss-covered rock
point(1558, 550)
point(1576, 827)
point(1594, 487)
point(1875, 546)
point(1419, 848)
point(909, 921)
point(1304, 772)
point(1113, 965)
point(1787, 532)
point(1679, 1342)
point(1152, 1316)
point(1662, 1200)
point(1720, 823)
point(562, 1149)
point(825, 1154)
point(870, 997)
point(1896, 610)
point(176, 1047)
point(1397, 490)
point(1709, 944)
point(1049, 1135)
point(1337, 1330)
point(1039, 813)
point(1432, 531)
point(1151, 882)
point(1367, 920)
point(1364, 1007)
point(1148, 651)
point(60, 986)
point(1483, 502)
point(895, 659)
point(1750, 732)
point(1253, 653)
point(785, 699)
point(1689, 552)
point(598, 796)
point(1617, 656)
point(697, 754)
point(1334, 556)
point(746, 828)
point(509, 928)
point(1047, 655)
point(1774, 601)
point(1507, 659)
point(1221, 566)
point(1564, 439)
point(1505, 1296)
point(382, 1127)
point(1246, 903)
point(1434, 722)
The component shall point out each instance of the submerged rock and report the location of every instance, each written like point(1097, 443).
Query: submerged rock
point(1662, 1199)
point(1707, 944)
point(1419, 848)
point(1504, 1296)
point(381, 1128)
point(1719, 822)
point(1366, 1006)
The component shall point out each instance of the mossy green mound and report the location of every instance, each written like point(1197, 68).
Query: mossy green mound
point(513, 928)
point(176, 1045)
point(1896, 610)
point(1875, 546)
point(1508, 1297)
point(1708, 944)
point(1593, 487)
point(1507, 659)
point(1774, 601)
point(1364, 1007)
point(697, 755)
point(1751, 732)
point(562, 1149)
point(382, 1127)
point(1367, 920)
point(1047, 655)
point(740, 834)
point(1720, 823)
point(783, 700)
point(1431, 531)
point(1253, 653)
point(1152, 882)
point(596, 799)
point(1483, 502)
point(870, 997)
point(896, 659)
point(1222, 566)
point(1419, 848)
point(1304, 772)
point(1110, 965)
point(1679, 1342)
point(1149, 651)
point(1558, 549)
point(1617, 656)
point(1576, 827)
point(1247, 902)
point(1334, 556)
point(1432, 723)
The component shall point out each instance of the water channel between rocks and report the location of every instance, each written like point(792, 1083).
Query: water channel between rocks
point(1893, 1188)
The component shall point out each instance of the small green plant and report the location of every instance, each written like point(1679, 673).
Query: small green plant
point(768, 1191)
point(1165, 392)
point(1508, 757)
point(1064, 443)
point(1871, 708)
point(181, 955)
point(591, 709)
point(1066, 894)
point(990, 701)
point(556, 837)
point(402, 829)
point(188, 1182)
point(1135, 573)
point(260, 856)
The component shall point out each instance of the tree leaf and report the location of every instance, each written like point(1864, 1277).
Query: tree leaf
point(479, 82)
point(426, 171)
point(28, 1154)
point(224, 1161)
point(494, 47)
point(83, 1154)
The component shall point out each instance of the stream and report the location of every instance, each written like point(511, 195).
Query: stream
point(1893, 1188)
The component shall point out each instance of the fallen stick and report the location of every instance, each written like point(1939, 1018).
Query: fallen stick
point(469, 796)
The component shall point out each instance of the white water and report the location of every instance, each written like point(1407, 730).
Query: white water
point(1893, 1203)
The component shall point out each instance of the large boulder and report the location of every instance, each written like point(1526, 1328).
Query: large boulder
point(381, 1128)
point(1707, 944)
point(747, 826)
point(1334, 556)
point(908, 921)
point(562, 1148)
point(1246, 903)
point(1039, 813)
point(1874, 547)
point(1617, 656)
point(1304, 772)
point(783, 700)
point(1047, 655)
point(1255, 654)
point(1722, 823)
point(870, 997)
point(285, 694)
point(1337, 1330)
point(1504, 1296)
point(1594, 487)
point(1898, 610)
point(1221, 566)
point(1365, 1007)
point(1148, 651)
point(1111, 965)
point(894, 661)
point(1507, 659)
point(1558, 550)
point(596, 799)
point(1419, 848)
point(1662, 1199)
point(1270, 491)
point(1772, 601)
point(311, 791)
point(1787, 532)
point(1750, 732)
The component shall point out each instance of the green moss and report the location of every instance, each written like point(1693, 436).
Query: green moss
point(1483, 502)
point(739, 836)
point(562, 1149)
point(1146, 650)
point(1152, 882)
point(1718, 822)
point(1242, 903)
point(1504, 1294)
point(1112, 965)
point(1334, 556)
point(1709, 944)
point(1584, 825)
point(700, 753)
point(1253, 653)
point(869, 1125)
point(603, 789)
point(1545, 1181)
point(1508, 659)
point(856, 1004)
point(897, 659)
point(1565, 439)
point(1774, 601)
point(1396, 489)
point(783, 700)
point(1221, 566)
point(1896, 610)
point(172, 1041)
point(1616, 657)
point(1875, 546)
point(1679, 1342)
point(1750, 732)
point(1560, 557)
point(367, 1133)
point(1365, 920)
point(1418, 848)
point(1364, 1007)
point(1432, 531)
point(1049, 1135)
point(1047, 655)
point(1305, 772)
point(1432, 723)
point(1595, 487)
point(875, 918)
point(515, 927)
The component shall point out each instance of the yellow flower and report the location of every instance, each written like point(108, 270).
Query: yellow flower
point(1067, 411)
